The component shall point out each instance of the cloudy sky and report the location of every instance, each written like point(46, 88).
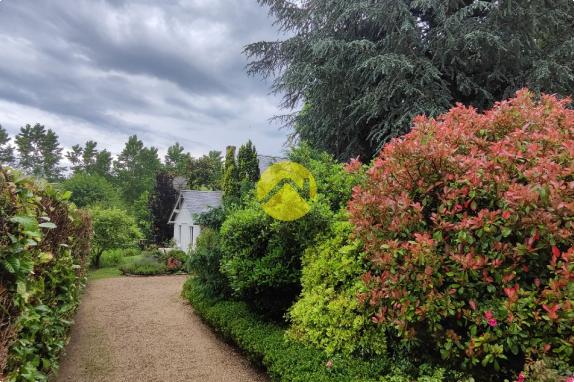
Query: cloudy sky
point(166, 70)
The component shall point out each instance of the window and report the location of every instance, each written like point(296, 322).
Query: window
point(191, 235)
point(179, 236)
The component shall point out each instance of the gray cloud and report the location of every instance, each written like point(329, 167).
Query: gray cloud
point(166, 70)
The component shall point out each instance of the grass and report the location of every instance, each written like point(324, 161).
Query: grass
point(103, 273)
point(111, 271)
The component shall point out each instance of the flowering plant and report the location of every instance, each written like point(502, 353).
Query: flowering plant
point(468, 222)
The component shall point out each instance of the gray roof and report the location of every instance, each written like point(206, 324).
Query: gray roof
point(265, 161)
point(197, 202)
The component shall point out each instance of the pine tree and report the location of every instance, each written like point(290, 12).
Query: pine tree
point(161, 203)
point(364, 68)
point(248, 163)
point(231, 183)
point(6, 150)
point(39, 152)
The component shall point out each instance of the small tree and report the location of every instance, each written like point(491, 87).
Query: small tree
point(89, 190)
point(247, 163)
point(161, 203)
point(113, 228)
point(231, 185)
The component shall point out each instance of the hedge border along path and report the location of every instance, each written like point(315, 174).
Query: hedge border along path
point(265, 344)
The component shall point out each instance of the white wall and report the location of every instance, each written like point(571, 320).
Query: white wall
point(185, 233)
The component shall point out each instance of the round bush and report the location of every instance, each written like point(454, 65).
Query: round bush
point(328, 314)
point(468, 225)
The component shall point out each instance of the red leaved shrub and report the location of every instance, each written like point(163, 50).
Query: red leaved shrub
point(468, 222)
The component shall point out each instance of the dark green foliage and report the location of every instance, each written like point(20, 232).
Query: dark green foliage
point(142, 215)
point(204, 263)
point(205, 173)
point(333, 182)
point(6, 150)
point(231, 184)
point(364, 68)
point(44, 245)
point(39, 152)
point(248, 164)
point(89, 160)
point(176, 160)
point(213, 218)
point(262, 256)
point(161, 203)
point(135, 169)
point(89, 190)
point(287, 361)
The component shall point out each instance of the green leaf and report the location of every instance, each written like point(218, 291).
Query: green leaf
point(29, 223)
point(48, 225)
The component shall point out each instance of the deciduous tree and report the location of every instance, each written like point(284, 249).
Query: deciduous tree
point(39, 152)
point(6, 150)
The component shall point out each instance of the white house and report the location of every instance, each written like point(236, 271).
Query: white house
point(190, 203)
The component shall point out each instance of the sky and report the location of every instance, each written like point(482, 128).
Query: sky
point(166, 70)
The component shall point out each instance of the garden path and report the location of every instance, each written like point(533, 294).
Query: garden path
point(140, 329)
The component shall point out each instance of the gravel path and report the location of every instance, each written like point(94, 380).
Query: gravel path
point(140, 329)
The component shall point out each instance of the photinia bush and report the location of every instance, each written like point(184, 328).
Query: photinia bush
point(467, 222)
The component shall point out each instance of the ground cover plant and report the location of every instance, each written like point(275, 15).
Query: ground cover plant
point(467, 223)
point(44, 249)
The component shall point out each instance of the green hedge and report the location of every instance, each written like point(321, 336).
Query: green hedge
point(286, 361)
point(44, 246)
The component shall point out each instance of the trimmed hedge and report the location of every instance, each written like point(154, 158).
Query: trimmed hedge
point(44, 246)
point(265, 344)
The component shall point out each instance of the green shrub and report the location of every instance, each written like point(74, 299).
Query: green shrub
point(287, 361)
point(468, 225)
point(113, 228)
point(328, 315)
point(91, 190)
point(262, 256)
point(146, 266)
point(204, 262)
point(213, 218)
point(115, 257)
point(44, 245)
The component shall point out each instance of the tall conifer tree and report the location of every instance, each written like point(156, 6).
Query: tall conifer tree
point(364, 68)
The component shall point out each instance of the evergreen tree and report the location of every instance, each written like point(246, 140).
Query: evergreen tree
point(161, 203)
point(364, 68)
point(6, 150)
point(206, 172)
point(135, 169)
point(39, 152)
point(231, 183)
point(248, 163)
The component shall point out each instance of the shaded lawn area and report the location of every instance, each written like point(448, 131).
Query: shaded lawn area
point(112, 271)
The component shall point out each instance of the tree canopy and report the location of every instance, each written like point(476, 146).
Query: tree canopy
point(39, 152)
point(364, 68)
